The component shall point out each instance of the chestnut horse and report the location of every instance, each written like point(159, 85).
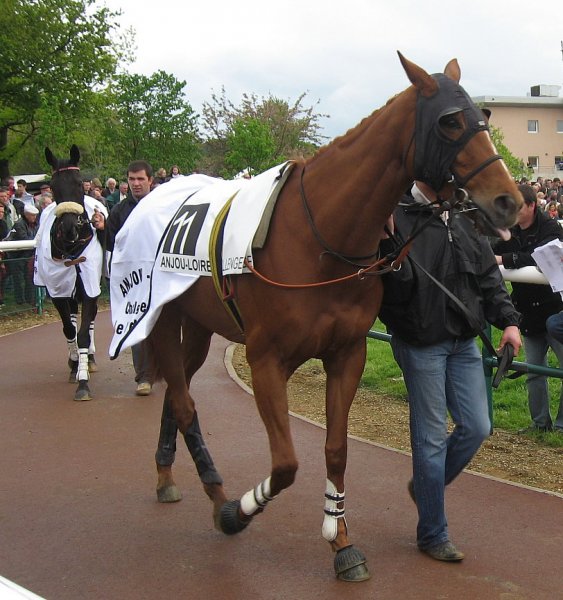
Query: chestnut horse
point(69, 261)
point(310, 293)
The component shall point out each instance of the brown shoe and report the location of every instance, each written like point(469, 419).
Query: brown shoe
point(144, 388)
point(444, 551)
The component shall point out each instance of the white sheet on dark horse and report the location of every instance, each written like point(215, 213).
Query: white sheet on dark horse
point(59, 280)
point(163, 246)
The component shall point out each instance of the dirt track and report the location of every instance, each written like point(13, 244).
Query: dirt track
point(79, 518)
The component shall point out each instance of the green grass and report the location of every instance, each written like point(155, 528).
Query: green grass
point(510, 399)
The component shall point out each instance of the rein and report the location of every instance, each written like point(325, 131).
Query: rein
point(327, 249)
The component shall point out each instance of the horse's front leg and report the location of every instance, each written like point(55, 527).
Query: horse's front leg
point(269, 382)
point(89, 310)
point(344, 370)
point(64, 308)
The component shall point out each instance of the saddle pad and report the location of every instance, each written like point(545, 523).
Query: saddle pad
point(163, 246)
point(59, 280)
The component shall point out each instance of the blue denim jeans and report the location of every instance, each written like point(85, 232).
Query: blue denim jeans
point(442, 378)
point(536, 347)
point(554, 326)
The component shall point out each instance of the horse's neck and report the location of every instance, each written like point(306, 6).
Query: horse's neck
point(364, 173)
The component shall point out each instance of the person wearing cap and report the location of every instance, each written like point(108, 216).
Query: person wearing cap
point(22, 269)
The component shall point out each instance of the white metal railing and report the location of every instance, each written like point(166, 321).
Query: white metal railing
point(19, 245)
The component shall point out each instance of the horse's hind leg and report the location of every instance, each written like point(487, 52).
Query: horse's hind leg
point(92, 366)
point(166, 489)
point(180, 348)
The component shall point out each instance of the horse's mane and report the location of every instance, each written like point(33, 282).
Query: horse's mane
point(353, 131)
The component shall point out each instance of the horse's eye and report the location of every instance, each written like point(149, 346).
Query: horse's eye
point(450, 122)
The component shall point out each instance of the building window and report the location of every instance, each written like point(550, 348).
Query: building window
point(559, 126)
point(533, 126)
point(533, 162)
point(559, 163)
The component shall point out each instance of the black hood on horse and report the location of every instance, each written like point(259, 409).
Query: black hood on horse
point(66, 182)
point(71, 232)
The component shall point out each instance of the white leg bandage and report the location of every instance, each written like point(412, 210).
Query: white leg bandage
point(257, 498)
point(82, 373)
point(72, 349)
point(92, 347)
point(332, 512)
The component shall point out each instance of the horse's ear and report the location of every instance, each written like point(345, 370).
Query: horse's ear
point(74, 154)
point(51, 160)
point(452, 70)
point(425, 83)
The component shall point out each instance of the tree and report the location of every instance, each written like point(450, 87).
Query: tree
point(154, 120)
point(294, 128)
point(52, 53)
point(515, 165)
point(250, 146)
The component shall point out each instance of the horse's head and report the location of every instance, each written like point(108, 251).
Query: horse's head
point(453, 151)
point(71, 231)
point(66, 182)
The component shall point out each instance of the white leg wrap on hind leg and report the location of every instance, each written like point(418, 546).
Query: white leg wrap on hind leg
point(332, 513)
point(72, 349)
point(92, 347)
point(257, 498)
point(82, 373)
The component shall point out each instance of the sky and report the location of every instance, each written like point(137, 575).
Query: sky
point(343, 55)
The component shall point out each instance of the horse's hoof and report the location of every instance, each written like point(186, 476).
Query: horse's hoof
point(230, 520)
point(82, 395)
point(92, 366)
point(350, 565)
point(170, 493)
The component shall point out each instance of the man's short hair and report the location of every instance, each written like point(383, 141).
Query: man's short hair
point(140, 165)
point(528, 193)
point(21, 182)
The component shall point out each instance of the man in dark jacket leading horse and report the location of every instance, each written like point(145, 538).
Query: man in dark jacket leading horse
point(536, 302)
point(433, 343)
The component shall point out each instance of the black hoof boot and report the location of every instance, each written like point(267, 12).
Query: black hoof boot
point(350, 565)
point(230, 521)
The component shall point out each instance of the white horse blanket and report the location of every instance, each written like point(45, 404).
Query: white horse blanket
point(163, 247)
point(59, 280)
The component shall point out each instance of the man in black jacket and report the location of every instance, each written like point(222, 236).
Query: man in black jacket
point(536, 302)
point(434, 345)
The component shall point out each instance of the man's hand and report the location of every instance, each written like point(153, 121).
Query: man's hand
point(98, 220)
point(511, 335)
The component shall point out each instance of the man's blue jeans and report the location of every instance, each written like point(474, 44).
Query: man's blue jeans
point(536, 347)
point(443, 377)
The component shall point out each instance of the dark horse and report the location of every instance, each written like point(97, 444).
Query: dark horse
point(69, 264)
point(314, 290)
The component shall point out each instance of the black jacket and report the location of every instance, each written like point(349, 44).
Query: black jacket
point(536, 302)
point(117, 217)
point(414, 308)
